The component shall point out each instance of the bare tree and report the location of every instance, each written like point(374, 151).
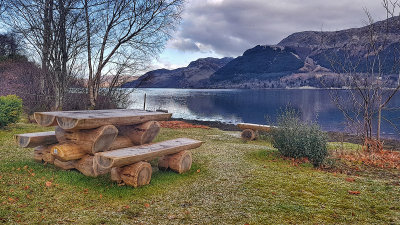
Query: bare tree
point(122, 36)
point(8, 45)
point(51, 30)
point(369, 77)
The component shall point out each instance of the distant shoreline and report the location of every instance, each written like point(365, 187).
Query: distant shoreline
point(288, 88)
point(333, 136)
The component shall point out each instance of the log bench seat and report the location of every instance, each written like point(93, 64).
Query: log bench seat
point(250, 130)
point(31, 140)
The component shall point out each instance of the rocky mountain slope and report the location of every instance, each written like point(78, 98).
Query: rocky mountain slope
point(308, 58)
point(192, 76)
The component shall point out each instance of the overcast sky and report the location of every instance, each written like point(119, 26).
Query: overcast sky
point(219, 28)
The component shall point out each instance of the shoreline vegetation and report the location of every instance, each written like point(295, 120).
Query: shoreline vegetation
point(258, 88)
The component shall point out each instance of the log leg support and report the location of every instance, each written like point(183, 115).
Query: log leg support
point(179, 162)
point(43, 154)
point(135, 175)
point(249, 135)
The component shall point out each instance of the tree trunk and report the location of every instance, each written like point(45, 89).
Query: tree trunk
point(65, 165)
point(68, 151)
point(92, 141)
point(141, 134)
point(43, 154)
point(378, 132)
point(85, 166)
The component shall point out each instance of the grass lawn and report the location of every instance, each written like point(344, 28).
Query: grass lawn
point(231, 182)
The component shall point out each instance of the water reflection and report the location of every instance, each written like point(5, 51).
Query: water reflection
point(251, 106)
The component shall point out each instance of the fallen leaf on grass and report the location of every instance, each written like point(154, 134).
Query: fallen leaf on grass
point(171, 217)
point(198, 171)
point(350, 179)
point(354, 192)
point(48, 184)
point(26, 187)
point(126, 207)
point(147, 205)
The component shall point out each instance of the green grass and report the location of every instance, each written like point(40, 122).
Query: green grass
point(239, 182)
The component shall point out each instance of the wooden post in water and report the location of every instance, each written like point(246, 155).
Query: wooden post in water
point(144, 103)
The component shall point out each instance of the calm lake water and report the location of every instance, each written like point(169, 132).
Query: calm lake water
point(253, 106)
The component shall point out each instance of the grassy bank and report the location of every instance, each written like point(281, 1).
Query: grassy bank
point(231, 182)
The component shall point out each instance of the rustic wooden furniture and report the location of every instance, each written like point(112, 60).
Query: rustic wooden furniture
point(250, 130)
point(98, 142)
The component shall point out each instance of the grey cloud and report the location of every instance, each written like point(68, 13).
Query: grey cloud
point(228, 27)
point(183, 44)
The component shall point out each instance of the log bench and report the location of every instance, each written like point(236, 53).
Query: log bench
point(250, 130)
point(99, 142)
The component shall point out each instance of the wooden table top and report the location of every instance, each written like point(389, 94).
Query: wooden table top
point(87, 119)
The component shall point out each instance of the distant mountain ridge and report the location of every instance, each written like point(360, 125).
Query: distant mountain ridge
point(301, 59)
point(192, 76)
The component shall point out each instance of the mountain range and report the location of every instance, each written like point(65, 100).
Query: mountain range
point(309, 58)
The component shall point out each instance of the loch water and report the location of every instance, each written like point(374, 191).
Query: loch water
point(255, 105)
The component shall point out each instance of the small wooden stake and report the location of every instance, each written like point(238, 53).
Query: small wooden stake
point(144, 102)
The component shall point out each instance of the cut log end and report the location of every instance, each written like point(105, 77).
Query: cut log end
point(116, 174)
point(180, 162)
point(45, 120)
point(248, 135)
point(106, 136)
point(67, 123)
point(153, 128)
point(137, 174)
point(22, 141)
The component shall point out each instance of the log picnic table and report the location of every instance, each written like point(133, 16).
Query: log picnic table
point(250, 130)
point(98, 142)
